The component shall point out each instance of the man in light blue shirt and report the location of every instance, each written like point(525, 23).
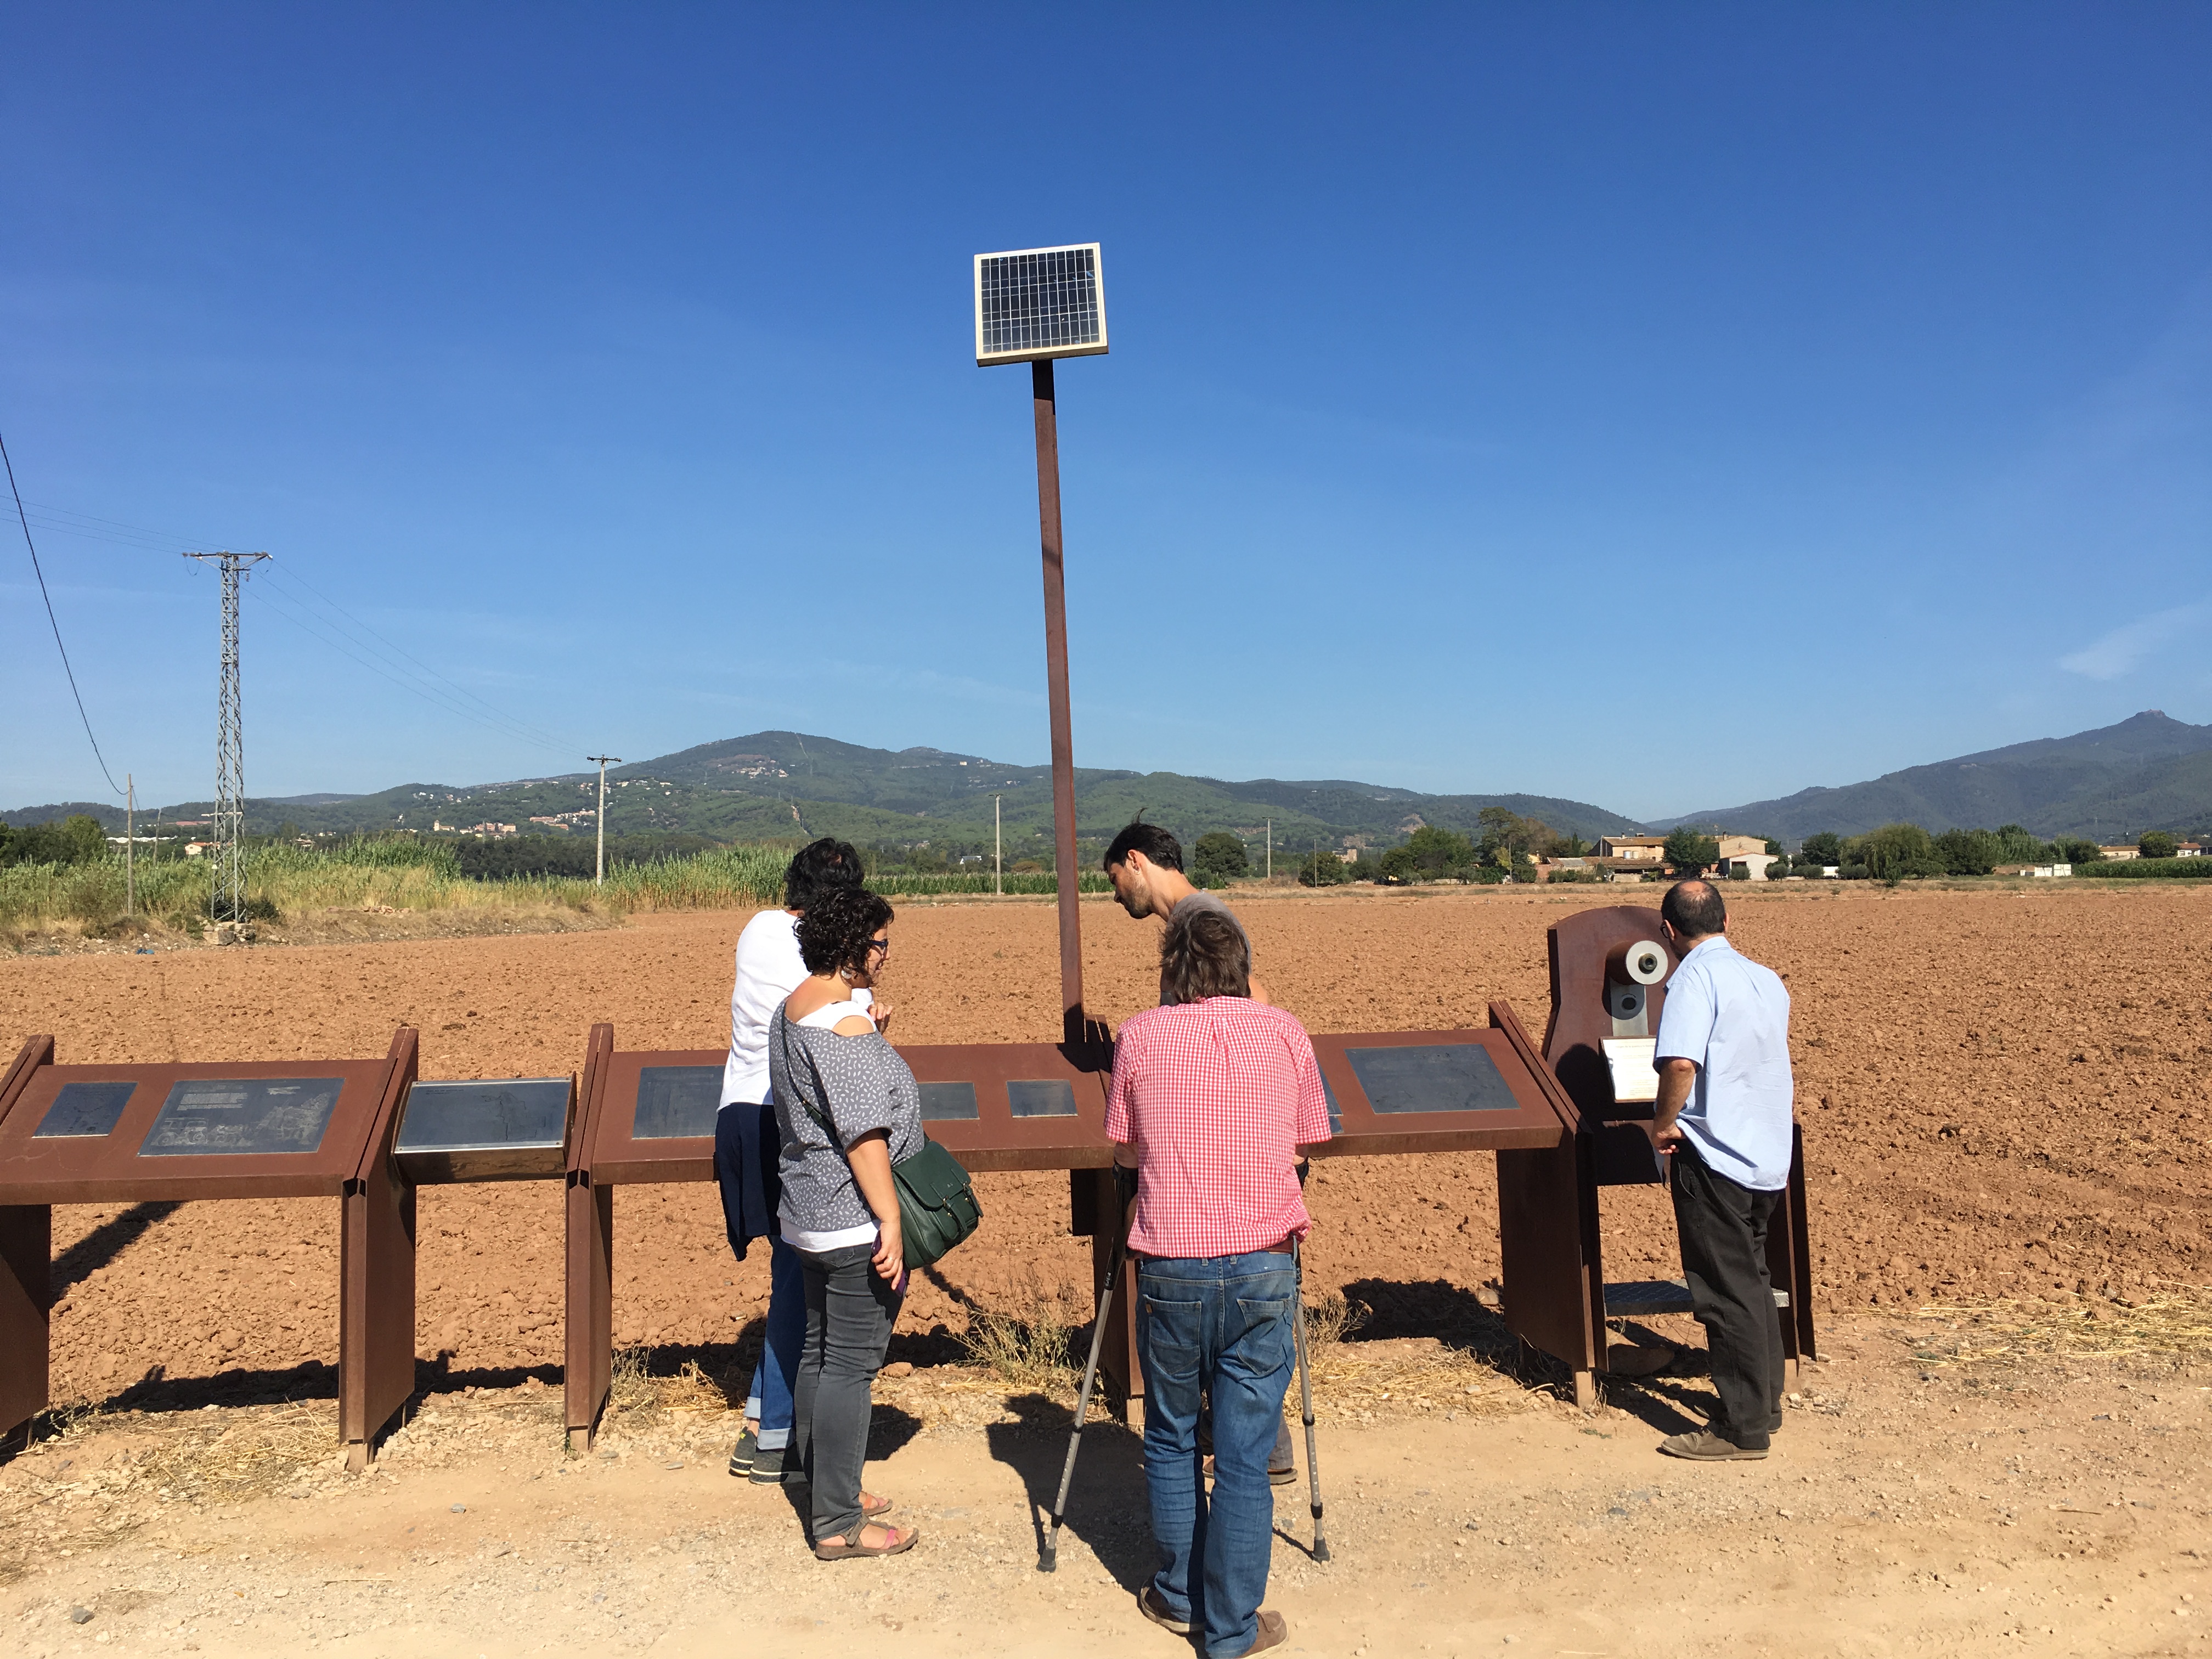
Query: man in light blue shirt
point(1723, 1113)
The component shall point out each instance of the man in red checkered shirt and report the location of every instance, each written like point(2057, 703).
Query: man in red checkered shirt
point(1213, 1097)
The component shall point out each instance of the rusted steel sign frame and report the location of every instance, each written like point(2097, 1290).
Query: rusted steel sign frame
point(605, 1154)
point(352, 1163)
point(1549, 1230)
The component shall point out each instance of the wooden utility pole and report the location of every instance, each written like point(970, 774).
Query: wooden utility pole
point(129, 845)
point(997, 853)
point(1271, 849)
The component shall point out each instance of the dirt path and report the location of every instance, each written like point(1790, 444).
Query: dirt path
point(2027, 1506)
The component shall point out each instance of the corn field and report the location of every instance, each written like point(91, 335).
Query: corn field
point(406, 874)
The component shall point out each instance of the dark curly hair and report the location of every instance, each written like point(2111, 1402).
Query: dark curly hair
point(834, 932)
point(817, 868)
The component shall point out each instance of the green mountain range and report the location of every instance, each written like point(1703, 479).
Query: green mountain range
point(2148, 772)
point(777, 786)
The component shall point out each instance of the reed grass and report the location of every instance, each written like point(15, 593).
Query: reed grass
point(402, 873)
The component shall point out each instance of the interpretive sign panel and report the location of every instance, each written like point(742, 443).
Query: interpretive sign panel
point(206, 1115)
point(947, 1101)
point(1457, 1077)
point(84, 1108)
point(493, 1129)
point(1051, 1097)
point(676, 1101)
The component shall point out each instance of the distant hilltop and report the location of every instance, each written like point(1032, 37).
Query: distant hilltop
point(772, 786)
point(2148, 772)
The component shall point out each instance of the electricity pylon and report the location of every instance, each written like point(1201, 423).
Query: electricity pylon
point(227, 890)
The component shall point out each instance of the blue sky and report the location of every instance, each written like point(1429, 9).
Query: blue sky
point(1659, 407)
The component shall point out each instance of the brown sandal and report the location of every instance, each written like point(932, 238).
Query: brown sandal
point(878, 1510)
point(900, 1541)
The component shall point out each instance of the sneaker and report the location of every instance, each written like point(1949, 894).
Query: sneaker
point(1154, 1607)
point(767, 1466)
point(743, 1453)
point(1704, 1446)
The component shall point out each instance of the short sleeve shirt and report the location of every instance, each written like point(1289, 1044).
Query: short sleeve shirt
point(1731, 1015)
point(1216, 1096)
point(858, 1083)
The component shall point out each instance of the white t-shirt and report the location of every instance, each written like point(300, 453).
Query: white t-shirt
point(768, 970)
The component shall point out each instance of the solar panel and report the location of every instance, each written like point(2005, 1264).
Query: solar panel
point(1039, 302)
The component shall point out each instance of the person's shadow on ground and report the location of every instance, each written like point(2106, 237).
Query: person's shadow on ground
point(1107, 1505)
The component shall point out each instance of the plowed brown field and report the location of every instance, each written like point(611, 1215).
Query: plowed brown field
point(2002, 1093)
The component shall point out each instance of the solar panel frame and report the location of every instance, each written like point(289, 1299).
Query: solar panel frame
point(1036, 303)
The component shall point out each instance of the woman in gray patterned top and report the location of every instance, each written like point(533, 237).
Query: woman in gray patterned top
point(848, 1108)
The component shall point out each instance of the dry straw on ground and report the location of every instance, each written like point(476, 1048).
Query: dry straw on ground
point(2175, 1322)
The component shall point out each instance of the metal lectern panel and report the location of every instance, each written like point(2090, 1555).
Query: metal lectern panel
point(262, 1115)
point(1440, 1077)
point(488, 1129)
point(85, 1109)
point(676, 1101)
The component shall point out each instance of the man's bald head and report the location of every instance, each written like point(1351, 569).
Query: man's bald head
point(1693, 909)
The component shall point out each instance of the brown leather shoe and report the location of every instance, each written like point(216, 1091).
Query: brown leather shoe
point(1154, 1607)
point(1272, 1632)
point(1704, 1446)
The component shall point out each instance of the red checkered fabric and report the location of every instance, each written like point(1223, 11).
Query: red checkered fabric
point(1216, 1096)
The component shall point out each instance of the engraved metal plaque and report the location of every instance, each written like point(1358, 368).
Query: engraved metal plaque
point(84, 1108)
point(503, 1129)
point(947, 1101)
point(1453, 1077)
point(233, 1115)
point(674, 1102)
point(1052, 1097)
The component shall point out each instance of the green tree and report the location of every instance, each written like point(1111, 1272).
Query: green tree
point(1968, 852)
point(2076, 849)
point(1826, 847)
point(1220, 855)
point(2018, 844)
point(1437, 852)
point(1690, 850)
point(1896, 851)
point(2156, 844)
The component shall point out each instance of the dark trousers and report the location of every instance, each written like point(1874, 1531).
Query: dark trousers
point(850, 1310)
point(1723, 1231)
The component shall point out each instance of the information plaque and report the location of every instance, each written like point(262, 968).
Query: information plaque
point(84, 1108)
point(497, 1129)
point(258, 1114)
point(948, 1102)
point(1049, 1097)
point(1441, 1078)
point(676, 1101)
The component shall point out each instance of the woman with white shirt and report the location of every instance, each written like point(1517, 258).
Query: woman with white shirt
point(848, 1108)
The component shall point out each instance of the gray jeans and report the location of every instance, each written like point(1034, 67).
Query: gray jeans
point(849, 1314)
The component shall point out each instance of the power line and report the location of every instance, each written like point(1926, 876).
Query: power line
point(386, 659)
point(23, 519)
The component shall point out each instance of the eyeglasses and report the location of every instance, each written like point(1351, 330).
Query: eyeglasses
point(882, 944)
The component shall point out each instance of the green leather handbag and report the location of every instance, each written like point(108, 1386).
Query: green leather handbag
point(937, 1203)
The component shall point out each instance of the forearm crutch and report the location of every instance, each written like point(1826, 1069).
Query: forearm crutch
point(1305, 1399)
point(1048, 1554)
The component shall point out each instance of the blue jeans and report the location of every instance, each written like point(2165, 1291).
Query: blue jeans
point(1223, 1324)
point(768, 1401)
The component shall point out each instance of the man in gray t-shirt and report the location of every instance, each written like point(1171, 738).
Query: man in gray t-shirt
point(1145, 864)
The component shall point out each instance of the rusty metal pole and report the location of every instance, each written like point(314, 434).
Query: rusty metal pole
point(1056, 666)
